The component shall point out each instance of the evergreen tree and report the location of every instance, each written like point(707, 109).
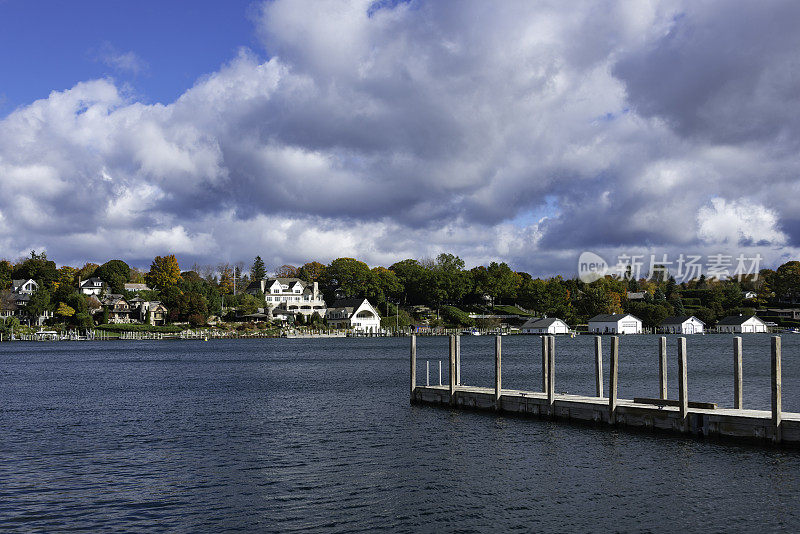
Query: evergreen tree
point(258, 271)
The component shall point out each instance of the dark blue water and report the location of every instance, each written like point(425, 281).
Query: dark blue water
point(318, 435)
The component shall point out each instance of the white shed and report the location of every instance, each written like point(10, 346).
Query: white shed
point(615, 323)
point(547, 325)
point(686, 324)
point(738, 324)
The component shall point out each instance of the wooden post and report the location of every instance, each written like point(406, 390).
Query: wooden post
point(458, 359)
point(598, 366)
point(737, 373)
point(683, 393)
point(662, 367)
point(551, 369)
point(413, 365)
point(498, 381)
point(451, 373)
point(776, 387)
point(545, 363)
point(612, 380)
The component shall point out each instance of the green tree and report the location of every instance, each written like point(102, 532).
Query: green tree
point(786, 282)
point(116, 273)
point(348, 278)
point(37, 267)
point(164, 272)
point(6, 274)
point(258, 271)
point(39, 303)
point(411, 275)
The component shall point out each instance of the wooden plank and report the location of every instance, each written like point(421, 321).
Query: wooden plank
point(668, 402)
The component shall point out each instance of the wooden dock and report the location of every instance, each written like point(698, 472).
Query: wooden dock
point(676, 416)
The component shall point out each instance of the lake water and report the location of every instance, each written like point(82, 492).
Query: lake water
point(318, 435)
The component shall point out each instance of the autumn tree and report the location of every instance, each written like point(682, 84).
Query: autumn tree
point(311, 271)
point(226, 275)
point(286, 271)
point(164, 272)
point(64, 310)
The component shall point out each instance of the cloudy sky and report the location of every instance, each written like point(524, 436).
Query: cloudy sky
point(524, 132)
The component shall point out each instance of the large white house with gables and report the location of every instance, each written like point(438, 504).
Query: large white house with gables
point(92, 286)
point(615, 323)
point(291, 294)
point(354, 314)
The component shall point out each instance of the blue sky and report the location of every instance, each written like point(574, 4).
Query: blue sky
point(53, 44)
point(526, 132)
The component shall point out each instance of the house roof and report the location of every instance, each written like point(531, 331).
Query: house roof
point(680, 319)
point(92, 281)
point(141, 287)
point(348, 303)
point(610, 317)
point(541, 323)
point(736, 319)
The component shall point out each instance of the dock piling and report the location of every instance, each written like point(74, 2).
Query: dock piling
point(440, 372)
point(498, 380)
point(427, 373)
point(458, 359)
point(683, 393)
point(551, 370)
point(737, 373)
point(613, 379)
point(662, 367)
point(598, 366)
point(413, 364)
point(776, 387)
point(451, 374)
point(545, 364)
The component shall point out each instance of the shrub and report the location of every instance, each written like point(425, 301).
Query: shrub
point(453, 315)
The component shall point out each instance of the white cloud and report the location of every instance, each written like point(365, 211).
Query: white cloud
point(417, 129)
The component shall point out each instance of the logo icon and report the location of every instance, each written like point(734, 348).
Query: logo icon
point(591, 267)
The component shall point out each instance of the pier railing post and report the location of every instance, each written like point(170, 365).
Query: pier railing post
point(662, 367)
point(551, 370)
point(452, 369)
point(738, 403)
point(776, 388)
point(612, 379)
point(413, 365)
point(545, 363)
point(598, 366)
point(498, 376)
point(683, 392)
point(427, 372)
point(458, 359)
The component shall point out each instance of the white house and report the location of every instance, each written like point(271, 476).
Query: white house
point(291, 294)
point(615, 323)
point(91, 286)
point(547, 325)
point(135, 288)
point(738, 324)
point(356, 314)
point(24, 287)
point(682, 325)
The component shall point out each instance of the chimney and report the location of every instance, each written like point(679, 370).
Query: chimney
point(316, 290)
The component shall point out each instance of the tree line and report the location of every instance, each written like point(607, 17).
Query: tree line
point(403, 290)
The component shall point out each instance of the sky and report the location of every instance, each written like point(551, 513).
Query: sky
point(526, 132)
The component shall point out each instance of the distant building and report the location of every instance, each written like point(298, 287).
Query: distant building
point(739, 324)
point(119, 311)
point(291, 294)
point(547, 325)
point(792, 314)
point(615, 323)
point(24, 287)
point(686, 324)
point(135, 288)
point(636, 295)
point(355, 314)
point(749, 295)
point(92, 286)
